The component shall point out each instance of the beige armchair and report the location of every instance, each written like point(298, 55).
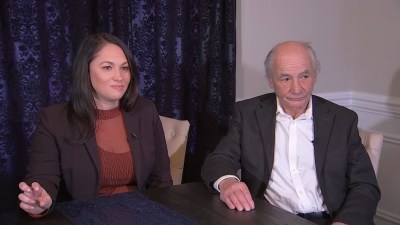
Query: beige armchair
point(373, 144)
point(176, 134)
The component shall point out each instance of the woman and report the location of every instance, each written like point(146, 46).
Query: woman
point(105, 140)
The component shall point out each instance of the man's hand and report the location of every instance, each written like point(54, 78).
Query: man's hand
point(235, 194)
point(34, 200)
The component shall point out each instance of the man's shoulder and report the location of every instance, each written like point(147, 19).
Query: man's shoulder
point(256, 101)
point(320, 103)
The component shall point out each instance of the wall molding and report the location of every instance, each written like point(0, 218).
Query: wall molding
point(388, 216)
point(392, 139)
point(365, 102)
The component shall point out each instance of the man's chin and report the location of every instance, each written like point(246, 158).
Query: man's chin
point(296, 104)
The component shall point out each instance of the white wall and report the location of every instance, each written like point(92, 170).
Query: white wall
point(358, 44)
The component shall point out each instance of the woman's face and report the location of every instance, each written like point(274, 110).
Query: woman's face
point(110, 76)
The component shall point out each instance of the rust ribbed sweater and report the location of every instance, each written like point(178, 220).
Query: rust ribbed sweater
point(116, 161)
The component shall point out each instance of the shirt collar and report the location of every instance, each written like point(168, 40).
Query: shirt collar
point(306, 115)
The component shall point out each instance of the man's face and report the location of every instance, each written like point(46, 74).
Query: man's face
point(293, 77)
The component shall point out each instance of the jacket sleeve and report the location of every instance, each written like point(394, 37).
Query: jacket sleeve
point(160, 175)
point(44, 163)
point(363, 193)
point(225, 159)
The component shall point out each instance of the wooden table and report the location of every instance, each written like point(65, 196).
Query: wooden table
point(191, 201)
point(195, 202)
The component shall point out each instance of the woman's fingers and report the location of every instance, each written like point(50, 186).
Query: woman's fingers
point(34, 199)
point(26, 199)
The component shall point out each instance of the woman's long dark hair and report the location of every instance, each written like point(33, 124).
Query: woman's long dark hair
point(82, 107)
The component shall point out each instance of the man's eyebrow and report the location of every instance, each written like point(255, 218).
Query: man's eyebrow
point(305, 72)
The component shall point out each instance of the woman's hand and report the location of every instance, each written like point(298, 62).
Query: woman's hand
point(34, 199)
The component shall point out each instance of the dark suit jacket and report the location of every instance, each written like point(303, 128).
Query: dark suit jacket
point(344, 170)
point(57, 164)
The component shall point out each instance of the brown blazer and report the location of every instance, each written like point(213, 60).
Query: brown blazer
point(73, 169)
point(344, 170)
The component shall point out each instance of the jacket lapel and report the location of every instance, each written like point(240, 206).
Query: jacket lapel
point(266, 116)
point(132, 124)
point(92, 149)
point(91, 146)
point(323, 122)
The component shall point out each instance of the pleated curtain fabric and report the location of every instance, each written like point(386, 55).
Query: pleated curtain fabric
point(185, 51)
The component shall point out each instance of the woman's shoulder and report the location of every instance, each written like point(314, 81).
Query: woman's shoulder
point(144, 108)
point(54, 118)
point(56, 113)
point(60, 108)
point(143, 103)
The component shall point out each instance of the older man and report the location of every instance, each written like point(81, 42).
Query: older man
point(298, 151)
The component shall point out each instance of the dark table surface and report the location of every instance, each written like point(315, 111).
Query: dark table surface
point(195, 202)
point(189, 203)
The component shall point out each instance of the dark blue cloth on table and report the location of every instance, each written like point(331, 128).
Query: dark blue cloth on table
point(121, 209)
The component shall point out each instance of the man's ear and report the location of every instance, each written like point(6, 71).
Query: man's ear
point(270, 83)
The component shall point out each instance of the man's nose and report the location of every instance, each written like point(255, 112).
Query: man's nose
point(296, 86)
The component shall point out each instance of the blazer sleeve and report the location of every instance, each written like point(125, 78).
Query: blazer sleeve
point(160, 175)
point(225, 159)
point(363, 193)
point(44, 163)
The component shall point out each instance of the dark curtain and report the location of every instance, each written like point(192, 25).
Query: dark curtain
point(185, 51)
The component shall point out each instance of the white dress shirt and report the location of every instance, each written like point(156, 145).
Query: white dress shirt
point(293, 184)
